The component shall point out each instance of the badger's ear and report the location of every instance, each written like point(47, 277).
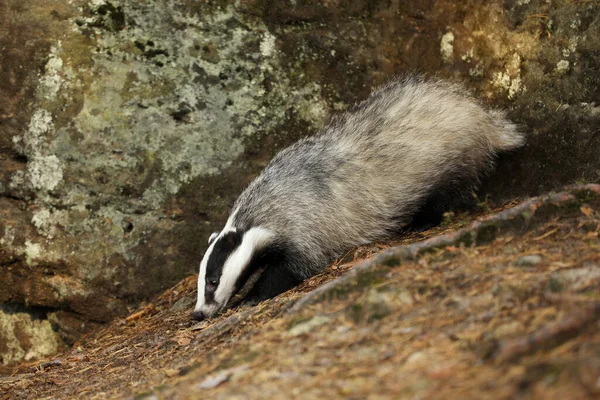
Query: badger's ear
point(212, 237)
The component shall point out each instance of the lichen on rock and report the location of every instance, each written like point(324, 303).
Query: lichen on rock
point(23, 337)
point(136, 101)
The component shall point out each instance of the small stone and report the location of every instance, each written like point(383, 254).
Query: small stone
point(307, 326)
point(288, 375)
point(509, 250)
point(379, 304)
point(183, 304)
point(419, 359)
point(146, 396)
point(171, 372)
point(200, 325)
point(578, 278)
point(215, 380)
point(529, 260)
point(406, 298)
point(510, 329)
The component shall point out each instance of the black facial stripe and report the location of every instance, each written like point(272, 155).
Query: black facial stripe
point(222, 249)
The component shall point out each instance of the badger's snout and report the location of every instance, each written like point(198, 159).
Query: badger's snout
point(198, 315)
point(206, 311)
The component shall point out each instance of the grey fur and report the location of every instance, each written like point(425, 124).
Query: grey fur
point(370, 169)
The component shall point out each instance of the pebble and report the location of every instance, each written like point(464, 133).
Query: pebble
point(223, 376)
point(419, 359)
point(183, 304)
point(308, 326)
point(529, 260)
point(579, 278)
point(510, 329)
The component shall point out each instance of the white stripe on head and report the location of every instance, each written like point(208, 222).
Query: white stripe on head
point(202, 277)
point(253, 240)
point(202, 274)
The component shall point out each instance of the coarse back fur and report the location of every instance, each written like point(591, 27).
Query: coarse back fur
point(368, 172)
point(371, 168)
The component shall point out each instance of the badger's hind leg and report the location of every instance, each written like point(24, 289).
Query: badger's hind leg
point(428, 216)
point(454, 195)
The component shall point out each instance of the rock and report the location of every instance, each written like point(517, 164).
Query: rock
point(509, 250)
point(308, 326)
point(183, 304)
point(378, 304)
point(222, 377)
point(108, 160)
point(509, 329)
point(578, 278)
point(24, 337)
point(405, 297)
point(420, 359)
point(214, 381)
point(529, 260)
point(146, 396)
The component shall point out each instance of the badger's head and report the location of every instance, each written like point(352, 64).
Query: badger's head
point(226, 266)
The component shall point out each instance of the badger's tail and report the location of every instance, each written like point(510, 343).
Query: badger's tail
point(508, 136)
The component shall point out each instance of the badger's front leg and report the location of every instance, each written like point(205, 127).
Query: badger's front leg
point(275, 279)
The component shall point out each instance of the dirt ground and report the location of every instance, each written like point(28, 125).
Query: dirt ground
point(507, 306)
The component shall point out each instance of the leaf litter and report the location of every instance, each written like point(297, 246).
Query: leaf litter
point(442, 314)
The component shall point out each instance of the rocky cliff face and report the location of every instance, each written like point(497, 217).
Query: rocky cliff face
point(127, 128)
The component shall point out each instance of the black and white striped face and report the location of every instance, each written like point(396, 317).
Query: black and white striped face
point(225, 265)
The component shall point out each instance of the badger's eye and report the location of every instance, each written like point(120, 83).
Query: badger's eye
point(212, 237)
point(211, 285)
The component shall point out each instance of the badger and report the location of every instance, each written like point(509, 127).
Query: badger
point(405, 153)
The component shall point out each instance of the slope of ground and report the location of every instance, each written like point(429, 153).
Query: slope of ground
point(507, 306)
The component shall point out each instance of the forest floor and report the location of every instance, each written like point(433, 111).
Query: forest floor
point(504, 304)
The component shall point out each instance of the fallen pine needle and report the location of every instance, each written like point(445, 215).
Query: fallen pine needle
point(545, 235)
point(135, 316)
point(139, 314)
point(83, 370)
